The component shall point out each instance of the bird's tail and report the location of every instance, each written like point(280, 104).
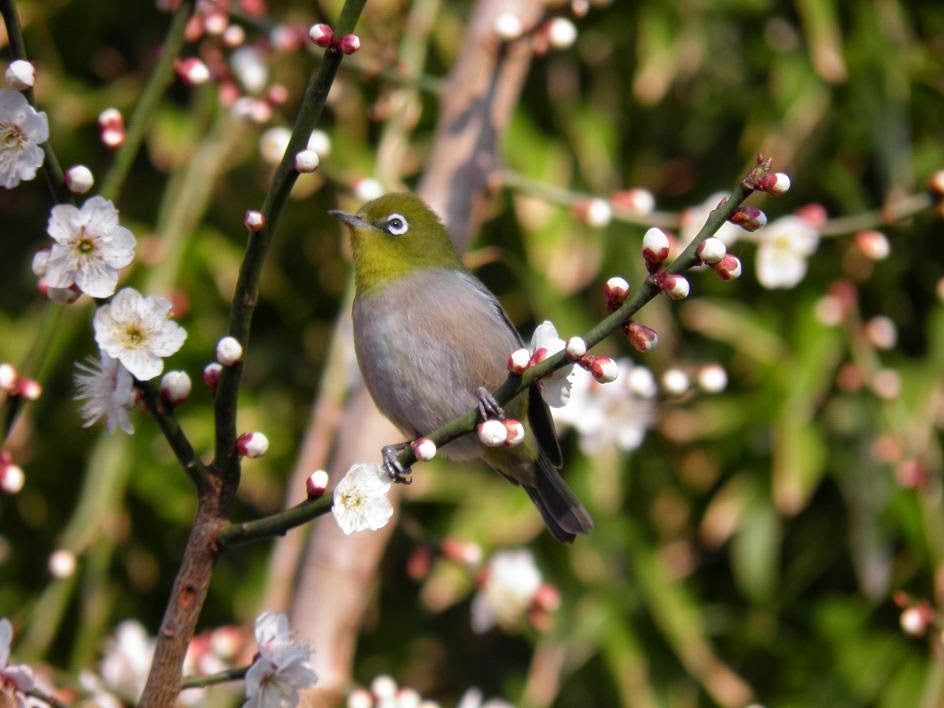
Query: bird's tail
point(563, 514)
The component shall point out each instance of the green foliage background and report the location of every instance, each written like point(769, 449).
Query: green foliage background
point(754, 533)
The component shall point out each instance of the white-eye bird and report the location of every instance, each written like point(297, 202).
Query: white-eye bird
point(432, 341)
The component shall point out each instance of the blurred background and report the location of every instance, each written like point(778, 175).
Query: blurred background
point(769, 521)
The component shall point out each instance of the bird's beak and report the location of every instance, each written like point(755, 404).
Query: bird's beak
point(349, 219)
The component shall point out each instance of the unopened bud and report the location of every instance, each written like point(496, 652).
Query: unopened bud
point(813, 214)
point(320, 142)
point(537, 356)
point(464, 552)
point(675, 381)
point(20, 75)
point(508, 26)
point(61, 563)
point(675, 286)
point(367, 189)
point(881, 332)
point(424, 449)
point(175, 387)
point(40, 262)
point(192, 71)
point(728, 268)
point(775, 184)
point(229, 351)
point(604, 369)
point(111, 118)
point(306, 161)
point(873, 244)
point(547, 597)
point(29, 389)
point(749, 218)
point(518, 360)
point(887, 384)
point(636, 200)
point(9, 377)
point(595, 212)
point(79, 179)
point(616, 289)
point(492, 433)
point(350, 43)
point(576, 347)
point(321, 34)
point(561, 32)
point(936, 184)
point(711, 250)
point(641, 382)
point(252, 444)
point(12, 478)
point(655, 246)
point(234, 36)
point(316, 484)
point(642, 338)
point(254, 220)
point(712, 378)
point(211, 375)
point(916, 619)
point(515, 432)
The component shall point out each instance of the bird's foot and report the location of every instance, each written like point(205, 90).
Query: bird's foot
point(488, 406)
point(391, 463)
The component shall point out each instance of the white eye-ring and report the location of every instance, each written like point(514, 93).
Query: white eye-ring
point(397, 224)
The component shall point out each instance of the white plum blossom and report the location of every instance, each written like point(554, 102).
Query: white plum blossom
point(783, 247)
point(138, 332)
point(694, 218)
point(282, 667)
point(617, 413)
point(510, 583)
point(127, 660)
point(91, 246)
point(555, 388)
point(107, 391)
point(360, 499)
point(22, 130)
point(15, 679)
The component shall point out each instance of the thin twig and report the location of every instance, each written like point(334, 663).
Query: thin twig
point(275, 524)
point(214, 679)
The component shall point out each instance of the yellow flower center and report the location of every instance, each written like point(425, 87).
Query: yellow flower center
point(12, 136)
point(134, 336)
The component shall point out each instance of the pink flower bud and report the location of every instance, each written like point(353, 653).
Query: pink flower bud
point(350, 43)
point(111, 118)
point(277, 95)
point(616, 289)
point(655, 246)
point(675, 286)
point(547, 597)
point(229, 351)
point(234, 36)
point(464, 552)
point(642, 338)
point(518, 361)
point(813, 214)
point(515, 432)
point(749, 218)
point(636, 201)
point(9, 377)
point(12, 478)
point(20, 75)
point(916, 619)
point(576, 348)
point(881, 332)
point(711, 250)
point(254, 220)
point(175, 387)
point(112, 138)
point(322, 35)
point(595, 212)
point(215, 22)
point(306, 161)
point(316, 484)
point(604, 369)
point(29, 389)
point(424, 449)
point(508, 26)
point(873, 245)
point(192, 71)
point(211, 375)
point(728, 268)
point(539, 355)
point(79, 179)
point(936, 184)
point(492, 433)
point(252, 444)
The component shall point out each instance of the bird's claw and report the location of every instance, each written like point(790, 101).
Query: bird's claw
point(488, 406)
point(397, 473)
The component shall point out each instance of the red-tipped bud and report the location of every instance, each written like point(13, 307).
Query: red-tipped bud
point(254, 220)
point(175, 387)
point(873, 245)
point(464, 552)
point(576, 347)
point(9, 377)
point(916, 619)
point(350, 43)
point(749, 218)
point(192, 71)
point(547, 597)
point(29, 389)
point(616, 289)
point(813, 214)
point(675, 286)
point(539, 355)
point(424, 449)
point(711, 250)
point(635, 200)
point(642, 338)
point(518, 361)
point(515, 432)
point(229, 351)
point(111, 128)
point(316, 483)
point(728, 268)
point(211, 375)
point(306, 161)
point(252, 444)
point(492, 433)
point(603, 368)
point(655, 247)
point(775, 184)
point(321, 34)
point(594, 212)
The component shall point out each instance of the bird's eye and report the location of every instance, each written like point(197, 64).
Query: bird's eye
point(397, 224)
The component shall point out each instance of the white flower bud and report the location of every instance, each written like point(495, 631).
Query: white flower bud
point(12, 478)
point(40, 261)
point(492, 433)
point(193, 71)
point(229, 351)
point(675, 381)
point(780, 185)
point(597, 212)
point(655, 245)
point(604, 369)
point(9, 377)
point(306, 161)
point(316, 484)
point(635, 200)
point(561, 33)
point(676, 287)
point(252, 444)
point(211, 375)
point(234, 36)
point(79, 179)
point(360, 698)
point(518, 360)
point(175, 386)
point(616, 289)
point(508, 26)
point(576, 348)
point(383, 687)
point(711, 250)
point(368, 189)
point(712, 378)
point(20, 75)
point(641, 382)
point(873, 244)
point(424, 449)
point(254, 220)
point(61, 563)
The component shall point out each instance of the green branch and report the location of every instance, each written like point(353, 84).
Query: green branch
point(214, 679)
point(275, 524)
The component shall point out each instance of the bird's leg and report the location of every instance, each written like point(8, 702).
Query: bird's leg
point(395, 471)
point(488, 406)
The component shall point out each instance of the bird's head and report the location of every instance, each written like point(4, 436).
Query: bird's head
point(394, 236)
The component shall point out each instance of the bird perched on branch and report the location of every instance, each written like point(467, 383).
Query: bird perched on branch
point(432, 341)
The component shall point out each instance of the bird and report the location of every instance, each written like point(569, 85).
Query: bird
point(432, 340)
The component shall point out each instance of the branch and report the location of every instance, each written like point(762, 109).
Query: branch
point(214, 679)
point(275, 524)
